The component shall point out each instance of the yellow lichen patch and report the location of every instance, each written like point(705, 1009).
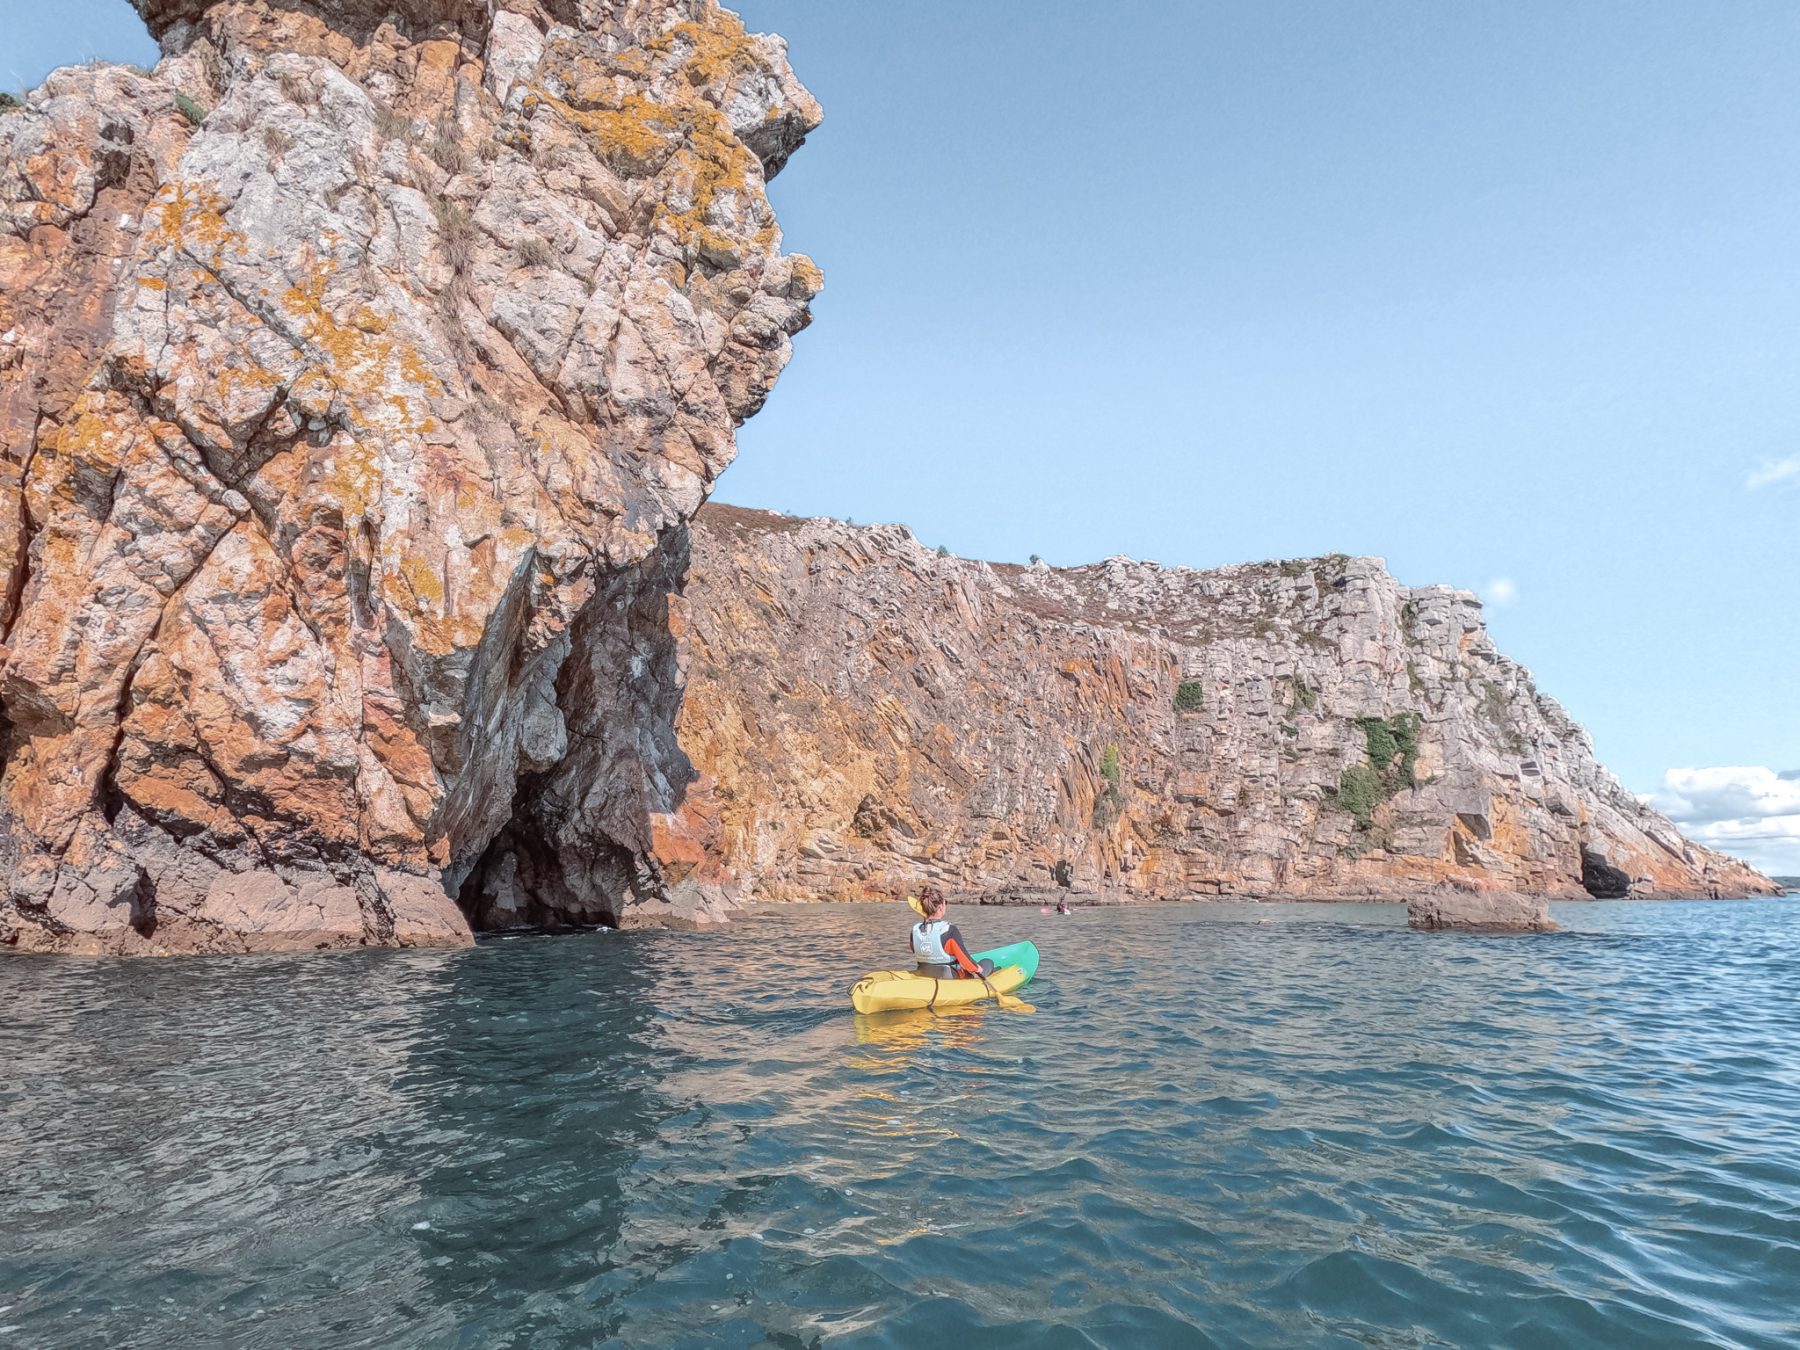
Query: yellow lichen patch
point(632, 134)
point(352, 481)
point(422, 580)
point(153, 283)
point(715, 163)
point(412, 366)
point(191, 218)
point(807, 275)
point(419, 589)
point(710, 53)
point(637, 135)
point(380, 383)
point(95, 438)
point(229, 381)
point(686, 138)
point(716, 50)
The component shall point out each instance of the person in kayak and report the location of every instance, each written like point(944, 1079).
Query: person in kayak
point(938, 944)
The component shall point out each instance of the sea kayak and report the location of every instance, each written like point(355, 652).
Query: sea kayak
point(894, 990)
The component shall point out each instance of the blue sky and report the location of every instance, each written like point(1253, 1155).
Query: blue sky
point(1502, 293)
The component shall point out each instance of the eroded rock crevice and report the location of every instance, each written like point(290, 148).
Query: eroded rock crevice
point(1600, 879)
point(581, 844)
point(313, 571)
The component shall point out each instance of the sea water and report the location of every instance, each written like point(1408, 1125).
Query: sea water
point(1262, 1125)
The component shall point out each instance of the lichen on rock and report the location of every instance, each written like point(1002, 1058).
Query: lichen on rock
point(338, 426)
point(874, 715)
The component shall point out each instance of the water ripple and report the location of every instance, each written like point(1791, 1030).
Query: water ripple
point(1284, 1125)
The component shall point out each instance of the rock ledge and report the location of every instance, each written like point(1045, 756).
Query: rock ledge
point(1450, 909)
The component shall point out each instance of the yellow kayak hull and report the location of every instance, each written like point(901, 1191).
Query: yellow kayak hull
point(899, 990)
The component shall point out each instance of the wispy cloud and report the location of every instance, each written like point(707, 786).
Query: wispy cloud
point(1500, 591)
point(1775, 473)
point(1750, 810)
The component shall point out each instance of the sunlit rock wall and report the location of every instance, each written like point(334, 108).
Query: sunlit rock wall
point(360, 369)
point(873, 716)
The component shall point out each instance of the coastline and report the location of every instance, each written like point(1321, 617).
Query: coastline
point(1096, 900)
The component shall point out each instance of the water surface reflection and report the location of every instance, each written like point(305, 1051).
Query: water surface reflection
point(1287, 1125)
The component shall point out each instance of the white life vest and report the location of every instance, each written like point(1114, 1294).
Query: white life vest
point(928, 942)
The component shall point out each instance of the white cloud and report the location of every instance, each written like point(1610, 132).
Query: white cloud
point(1749, 810)
point(1706, 796)
point(1774, 472)
point(1499, 591)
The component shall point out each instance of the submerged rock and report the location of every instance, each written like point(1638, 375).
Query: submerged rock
point(360, 370)
point(1479, 911)
point(1042, 897)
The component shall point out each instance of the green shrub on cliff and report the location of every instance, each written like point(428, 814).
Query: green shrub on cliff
point(8, 102)
point(1382, 746)
point(1405, 728)
point(1111, 801)
point(190, 109)
point(1391, 763)
point(1393, 747)
point(1190, 696)
point(1359, 792)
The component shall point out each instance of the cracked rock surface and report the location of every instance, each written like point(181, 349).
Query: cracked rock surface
point(873, 716)
point(360, 370)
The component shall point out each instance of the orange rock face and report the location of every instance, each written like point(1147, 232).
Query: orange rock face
point(359, 372)
point(872, 716)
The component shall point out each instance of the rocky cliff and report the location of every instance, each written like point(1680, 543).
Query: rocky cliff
point(873, 715)
point(360, 370)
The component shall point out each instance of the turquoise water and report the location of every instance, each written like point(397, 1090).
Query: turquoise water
point(1228, 1124)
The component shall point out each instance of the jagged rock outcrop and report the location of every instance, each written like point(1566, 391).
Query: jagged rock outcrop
point(360, 370)
point(873, 715)
point(1449, 909)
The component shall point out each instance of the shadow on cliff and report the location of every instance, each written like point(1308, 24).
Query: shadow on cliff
point(579, 846)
